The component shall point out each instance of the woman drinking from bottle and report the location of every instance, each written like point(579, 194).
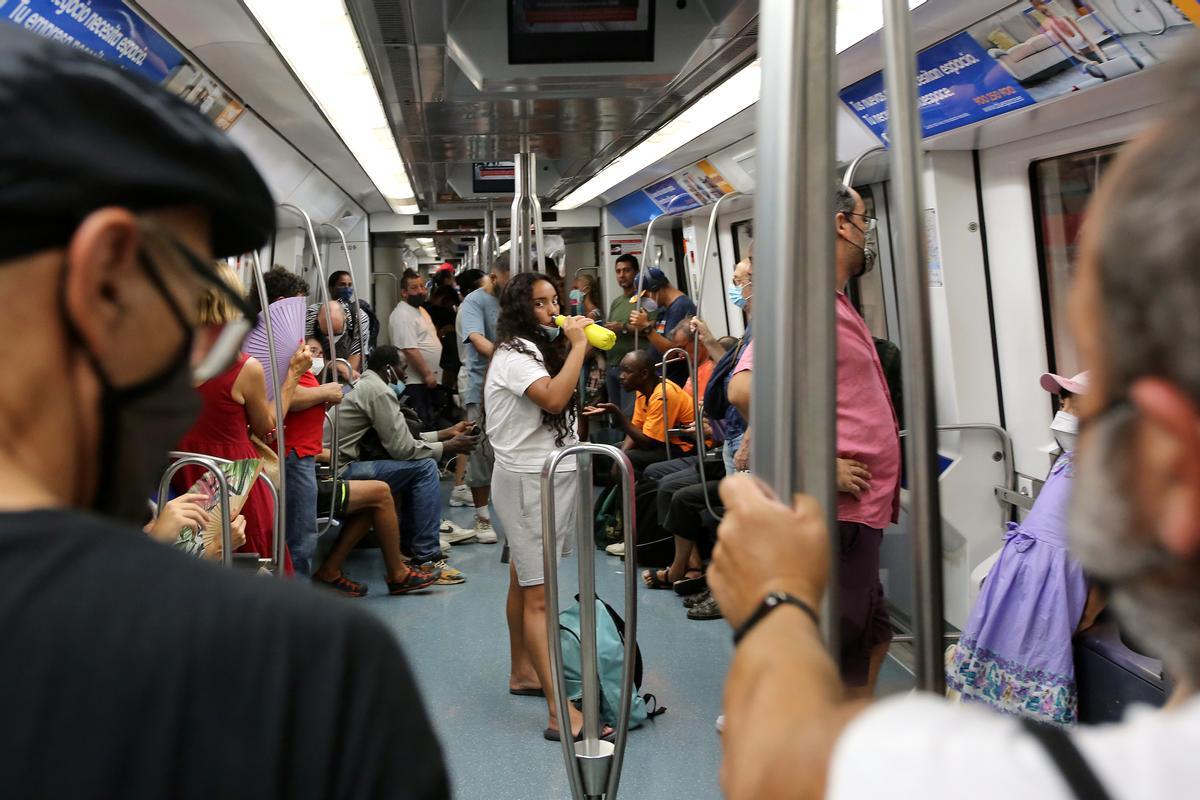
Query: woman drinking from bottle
point(530, 410)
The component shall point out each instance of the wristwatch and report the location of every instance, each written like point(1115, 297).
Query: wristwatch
point(772, 601)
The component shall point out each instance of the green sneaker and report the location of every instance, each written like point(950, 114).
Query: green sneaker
point(450, 576)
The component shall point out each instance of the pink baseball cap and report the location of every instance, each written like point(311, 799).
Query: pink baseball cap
point(1054, 384)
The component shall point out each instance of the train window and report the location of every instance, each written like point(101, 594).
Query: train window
point(743, 239)
point(1062, 187)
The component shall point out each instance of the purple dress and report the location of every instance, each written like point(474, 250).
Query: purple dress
point(1015, 653)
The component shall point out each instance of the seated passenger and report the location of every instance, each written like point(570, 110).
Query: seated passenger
point(685, 338)
point(673, 308)
point(235, 405)
point(407, 464)
point(645, 433)
point(187, 511)
point(362, 506)
point(1015, 653)
point(1134, 525)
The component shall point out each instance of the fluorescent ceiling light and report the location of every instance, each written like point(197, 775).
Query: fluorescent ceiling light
point(317, 40)
point(857, 19)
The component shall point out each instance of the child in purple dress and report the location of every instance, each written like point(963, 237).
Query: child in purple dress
point(1015, 653)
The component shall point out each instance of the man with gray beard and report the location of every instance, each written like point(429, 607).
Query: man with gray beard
point(1135, 310)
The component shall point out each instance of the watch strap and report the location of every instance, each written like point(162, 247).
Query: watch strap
point(772, 601)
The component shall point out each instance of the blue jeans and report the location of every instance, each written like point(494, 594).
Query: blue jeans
point(731, 448)
point(416, 487)
point(616, 394)
point(301, 512)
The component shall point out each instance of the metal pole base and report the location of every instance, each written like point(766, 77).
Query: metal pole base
point(594, 768)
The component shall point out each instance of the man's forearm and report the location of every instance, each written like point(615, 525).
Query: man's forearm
point(782, 679)
point(306, 397)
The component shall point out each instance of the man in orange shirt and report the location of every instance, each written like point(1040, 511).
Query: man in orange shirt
point(645, 434)
point(685, 339)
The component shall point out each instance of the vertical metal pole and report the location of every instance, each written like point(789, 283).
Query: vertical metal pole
point(522, 209)
point(585, 550)
point(905, 134)
point(264, 302)
point(491, 240)
point(535, 211)
point(794, 380)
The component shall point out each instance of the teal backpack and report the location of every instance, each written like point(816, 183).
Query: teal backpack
point(610, 659)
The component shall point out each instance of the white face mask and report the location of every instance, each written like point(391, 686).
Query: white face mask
point(317, 366)
point(1065, 428)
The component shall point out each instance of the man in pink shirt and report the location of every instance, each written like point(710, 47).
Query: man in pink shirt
point(868, 463)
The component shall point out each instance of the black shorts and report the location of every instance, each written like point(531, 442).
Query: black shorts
point(326, 491)
point(865, 623)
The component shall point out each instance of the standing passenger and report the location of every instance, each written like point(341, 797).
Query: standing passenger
point(619, 312)
point(414, 334)
point(530, 410)
point(124, 660)
point(673, 308)
point(478, 319)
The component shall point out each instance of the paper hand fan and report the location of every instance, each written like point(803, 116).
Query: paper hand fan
point(287, 327)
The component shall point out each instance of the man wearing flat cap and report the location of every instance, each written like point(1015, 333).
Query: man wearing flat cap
point(130, 670)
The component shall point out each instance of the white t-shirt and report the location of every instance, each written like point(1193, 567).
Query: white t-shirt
point(412, 328)
point(519, 437)
point(922, 747)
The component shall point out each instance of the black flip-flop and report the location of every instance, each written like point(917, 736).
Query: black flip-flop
point(690, 585)
point(527, 692)
point(655, 581)
point(552, 735)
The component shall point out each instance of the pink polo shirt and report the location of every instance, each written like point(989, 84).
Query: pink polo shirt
point(866, 422)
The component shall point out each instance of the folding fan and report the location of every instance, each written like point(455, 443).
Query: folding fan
point(287, 327)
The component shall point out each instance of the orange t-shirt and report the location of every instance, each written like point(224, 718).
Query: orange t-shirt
point(648, 413)
point(703, 373)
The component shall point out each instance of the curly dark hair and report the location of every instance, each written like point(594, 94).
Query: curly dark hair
point(517, 322)
point(280, 284)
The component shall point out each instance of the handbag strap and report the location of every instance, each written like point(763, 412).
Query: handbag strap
point(1070, 762)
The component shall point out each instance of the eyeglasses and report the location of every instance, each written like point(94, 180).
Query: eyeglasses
point(870, 222)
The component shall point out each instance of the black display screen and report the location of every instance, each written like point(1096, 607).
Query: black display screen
point(580, 31)
point(493, 177)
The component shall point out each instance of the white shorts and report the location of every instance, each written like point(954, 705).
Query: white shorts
point(517, 497)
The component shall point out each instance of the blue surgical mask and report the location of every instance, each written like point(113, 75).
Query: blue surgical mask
point(734, 291)
point(398, 388)
point(346, 294)
point(551, 331)
point(576, 295)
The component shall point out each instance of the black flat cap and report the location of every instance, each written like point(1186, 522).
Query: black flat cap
point(77, 134)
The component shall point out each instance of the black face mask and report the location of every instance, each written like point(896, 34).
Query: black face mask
point(415, 300)
point(141, 423)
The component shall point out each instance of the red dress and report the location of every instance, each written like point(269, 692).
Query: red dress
point(222, 430)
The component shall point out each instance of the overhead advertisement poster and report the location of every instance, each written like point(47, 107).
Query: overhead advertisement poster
point(691, 187)
point(111, 31)
point(1028, 53)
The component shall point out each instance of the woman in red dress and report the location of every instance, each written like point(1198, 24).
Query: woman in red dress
point(235, 403)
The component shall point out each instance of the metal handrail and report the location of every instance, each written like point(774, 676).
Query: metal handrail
point(280, 494)
point(666, 359)
point(904, 130)
point(1006, 450)
point(212, 464)
point(795, 381)
point(324, 292)
point(278, 542)
point(593, 766)
point(852, 169)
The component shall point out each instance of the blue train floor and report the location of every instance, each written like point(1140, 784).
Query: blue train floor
point(457, 644)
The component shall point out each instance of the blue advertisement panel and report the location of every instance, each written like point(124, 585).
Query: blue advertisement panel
point(108, 29)
point(670, 197)
point(959, 83)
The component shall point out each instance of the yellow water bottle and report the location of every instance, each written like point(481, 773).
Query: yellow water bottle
point(598, 336)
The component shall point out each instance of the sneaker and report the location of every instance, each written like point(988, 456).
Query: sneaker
point(452, 534)
point(705, 609)
point(720, 724)
point(693, 600)
point(460, 497)
point(484, 533)
point(450, 576)
point(617, 549)
point(418, 577)
point(343, 585)
point(444, 543)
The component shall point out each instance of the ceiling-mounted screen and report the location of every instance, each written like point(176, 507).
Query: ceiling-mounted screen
point(493, 177)
point(580, 31)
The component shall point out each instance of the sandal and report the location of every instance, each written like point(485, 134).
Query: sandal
point(531, 692)
point(607, 734)
point(343, 585)
point(414, 581)
point(691, 585)
point(652, 580)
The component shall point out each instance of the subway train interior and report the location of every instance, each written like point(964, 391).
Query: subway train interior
point(430, 138)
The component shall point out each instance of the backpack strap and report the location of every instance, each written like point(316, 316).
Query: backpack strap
point(1070, 762)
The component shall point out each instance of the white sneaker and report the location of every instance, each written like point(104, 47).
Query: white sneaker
point(445, 545)
point(460, 497)
point(452, 534)
point(484, 533)
point(720, 724)
point(617, 549)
